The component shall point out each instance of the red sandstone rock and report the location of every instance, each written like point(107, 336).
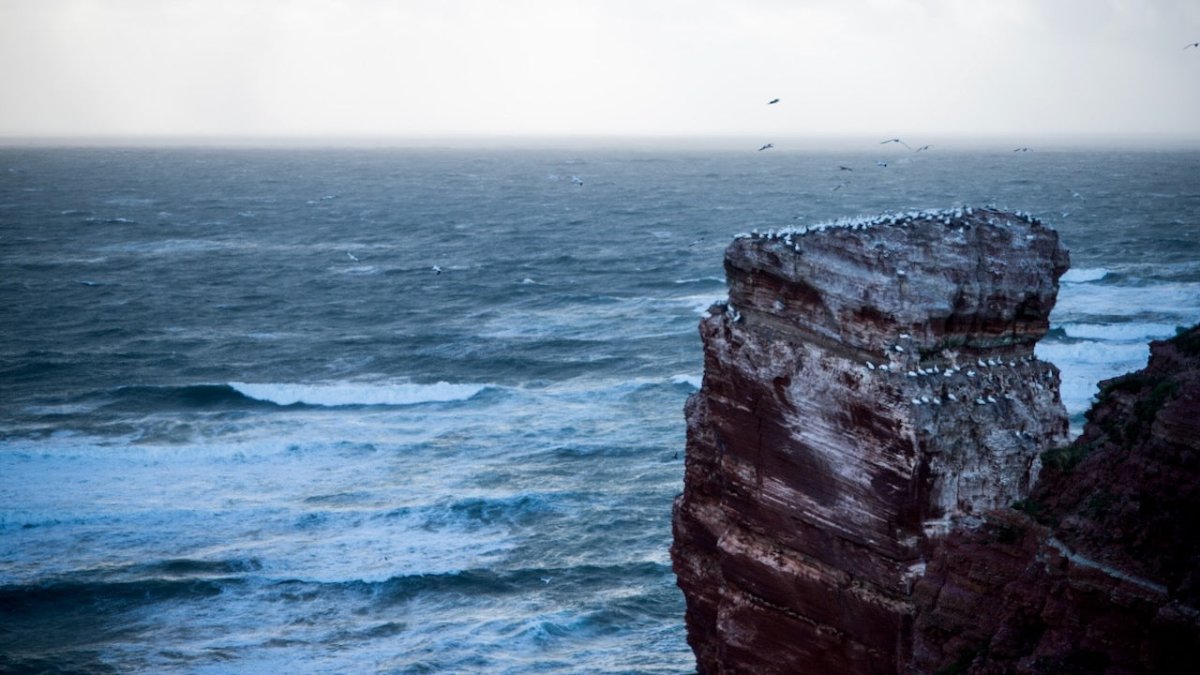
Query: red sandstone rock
point(867, 386)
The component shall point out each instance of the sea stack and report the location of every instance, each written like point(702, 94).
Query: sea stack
point(869, 385)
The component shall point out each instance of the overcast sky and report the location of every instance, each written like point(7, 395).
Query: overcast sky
point(610, 67)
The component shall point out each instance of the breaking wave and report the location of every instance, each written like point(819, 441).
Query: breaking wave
point(353, 394)
point(1083, 275)
point(235, 395)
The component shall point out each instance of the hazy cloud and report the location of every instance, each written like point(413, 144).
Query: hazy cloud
point(575, 66)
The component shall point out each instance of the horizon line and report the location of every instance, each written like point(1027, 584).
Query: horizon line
point(951, 141)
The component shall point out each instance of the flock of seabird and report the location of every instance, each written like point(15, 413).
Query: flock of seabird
point(951, 378)
point(882, 163)
point(944, 216)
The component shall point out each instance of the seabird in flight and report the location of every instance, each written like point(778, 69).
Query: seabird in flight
point(1021, 149)
point(923, 147)
point(844, 168)
point(895, 140)
point(879, 162)
point(768, 146)
point(351, 256)
point(1190, 44)
point(773, 101)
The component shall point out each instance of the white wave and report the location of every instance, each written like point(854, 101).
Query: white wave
point(699, 302)
point(1083, 275)
point(1076, 302)
point(349, 393)
point(1120, 332)
point(365, 544)
point(356, 270)
point(1094, 353)
point(1084, 364)
point(693, 380)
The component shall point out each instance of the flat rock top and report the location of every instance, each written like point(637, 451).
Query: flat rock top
point(970, 275)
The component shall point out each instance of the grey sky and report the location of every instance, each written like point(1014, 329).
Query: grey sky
point(429, 67)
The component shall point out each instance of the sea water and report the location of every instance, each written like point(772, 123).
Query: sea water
point(420, 410)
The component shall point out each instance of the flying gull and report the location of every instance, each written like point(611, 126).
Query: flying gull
point(880, 162)
point(843, 167)
point(895, 140)
point(1190, 44)
point(351, 256)
point(923, 147)
point(768, 146)
point(1021, 149)
point(773, 101)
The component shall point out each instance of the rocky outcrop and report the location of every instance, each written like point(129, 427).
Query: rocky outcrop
point(869, 384)
point(1098, 570)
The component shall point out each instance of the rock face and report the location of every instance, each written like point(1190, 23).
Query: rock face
point(868, 385)
point(1099, 570)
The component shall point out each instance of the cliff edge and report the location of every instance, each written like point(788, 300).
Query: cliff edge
point(869, 384)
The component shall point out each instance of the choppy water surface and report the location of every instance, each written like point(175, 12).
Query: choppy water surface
point(246, 426)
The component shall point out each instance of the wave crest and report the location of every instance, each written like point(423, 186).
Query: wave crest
point(1083, 275)
point(352, 394)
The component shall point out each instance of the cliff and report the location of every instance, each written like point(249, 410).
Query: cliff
point(1098, 570)
point(869, 385)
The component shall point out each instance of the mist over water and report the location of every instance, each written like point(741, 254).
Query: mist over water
point(246, 426)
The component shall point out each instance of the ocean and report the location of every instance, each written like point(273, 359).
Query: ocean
point(419, 410)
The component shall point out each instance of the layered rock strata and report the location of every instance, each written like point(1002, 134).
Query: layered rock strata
point(868, 384)
point(1098, 570)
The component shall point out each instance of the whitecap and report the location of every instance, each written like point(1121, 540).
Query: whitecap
point(684, 378)
point(356, 270)
point(1079, 302)
point(1083, 275)
point(1120, 332)
point(352, 393)
point(1084, 364)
